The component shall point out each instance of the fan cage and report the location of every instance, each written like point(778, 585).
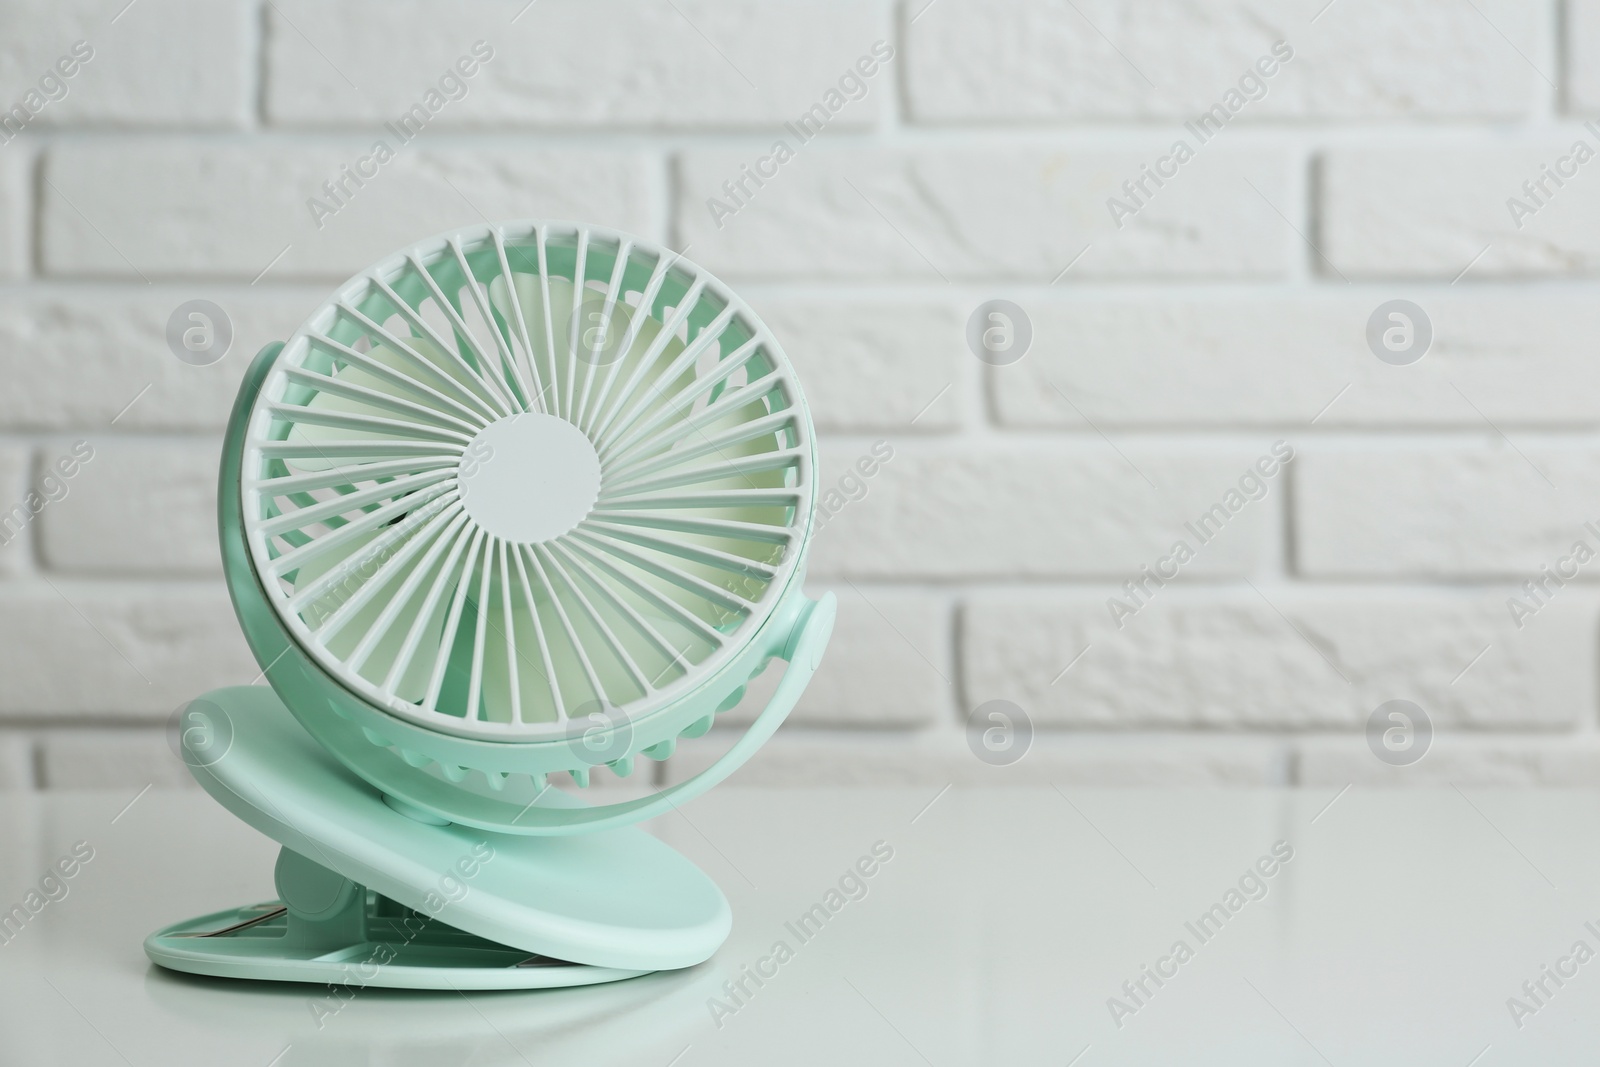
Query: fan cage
point(654, 591)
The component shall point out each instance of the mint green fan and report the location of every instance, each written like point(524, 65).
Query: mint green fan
point(524, 500)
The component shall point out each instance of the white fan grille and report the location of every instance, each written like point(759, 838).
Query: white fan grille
point(369, 431)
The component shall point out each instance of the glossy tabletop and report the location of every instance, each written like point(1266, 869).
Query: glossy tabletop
point(897, 926)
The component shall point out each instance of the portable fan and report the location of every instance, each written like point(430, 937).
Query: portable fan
point(523, 500)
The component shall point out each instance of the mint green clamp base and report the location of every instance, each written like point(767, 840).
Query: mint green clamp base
point(390, 953)
point(372, 897)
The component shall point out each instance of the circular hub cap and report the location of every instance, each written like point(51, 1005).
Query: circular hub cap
point(530, 478)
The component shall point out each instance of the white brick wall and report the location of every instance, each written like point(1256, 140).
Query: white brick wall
point(1154, 360)
point(1069, 508)
point(1170, 348)
point(83, 759)
point(137, 508)
point(890, 664)
point(876, 364)
point(1583, 44)
point(14, 221)
point(601, 64)
point(134, 651)
point(1430, 213)
point(166, 207)
point(1021, 214)
point(1046, 60)
point(164, 63)
point(15, 542)
point(1477, 510)
point(1282, 657)
point(114, 340)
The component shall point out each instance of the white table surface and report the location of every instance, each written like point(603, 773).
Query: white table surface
point(995, 935)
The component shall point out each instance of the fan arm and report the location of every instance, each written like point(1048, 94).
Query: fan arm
point(804, 654)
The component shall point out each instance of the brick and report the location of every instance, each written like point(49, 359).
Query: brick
point(162, 63)
point(115, 346)
point(135, 652)
point(1230, 660)
point(1443, 511)
point(111, 759)
point(15, 226)
point(813, 758)
point(135, 508)
point(888, 665)
point(1219, 361)
point(16, 762)
point(1018, 213)
point(232, 209)
point(875, 364)
point(626, 64)
point(1038, 60)
point(16, 537)
point(1077, 508)
point(1547, 762)
point(1433, 212)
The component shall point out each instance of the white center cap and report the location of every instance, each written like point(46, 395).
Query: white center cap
point(529, 478)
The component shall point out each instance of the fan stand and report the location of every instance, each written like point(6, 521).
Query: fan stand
point(393, 901)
